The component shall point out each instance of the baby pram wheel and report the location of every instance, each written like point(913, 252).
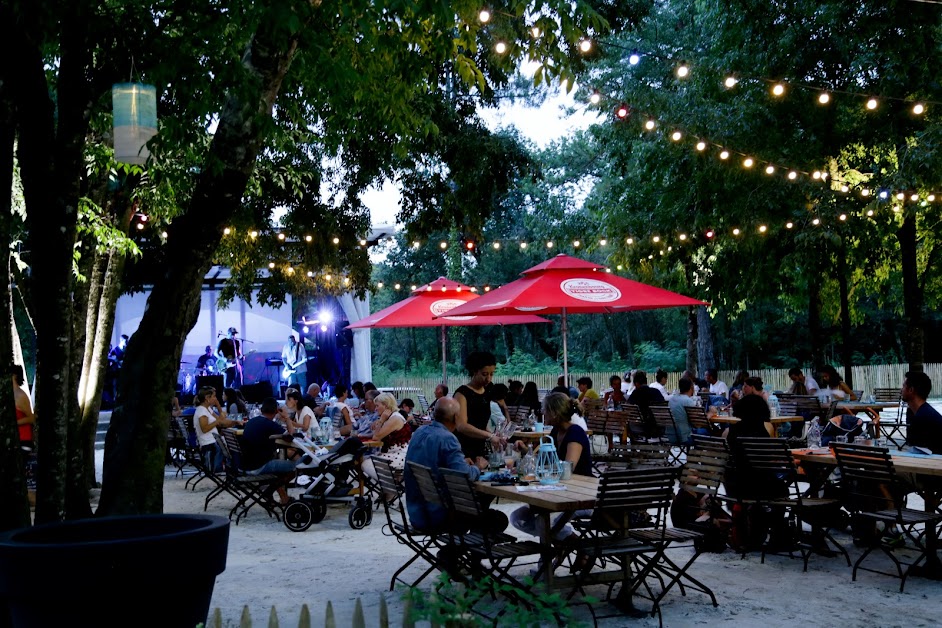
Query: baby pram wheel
point(298, 516)
point(361, 514)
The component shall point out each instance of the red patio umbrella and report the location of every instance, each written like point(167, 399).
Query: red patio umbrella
point(433, 300)
point(565, 285)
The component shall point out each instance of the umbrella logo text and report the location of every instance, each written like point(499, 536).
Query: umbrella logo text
point(444, 305)
point(591, 290)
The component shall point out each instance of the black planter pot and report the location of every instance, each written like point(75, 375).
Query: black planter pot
point(148, 570)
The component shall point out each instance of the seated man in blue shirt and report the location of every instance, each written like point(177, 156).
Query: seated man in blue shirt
point(436, 446)
point(258, 447)
point(923, 422)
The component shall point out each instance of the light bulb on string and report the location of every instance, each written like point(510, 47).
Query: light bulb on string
point(308, 238)
point(682, 237)
point(500, 47)
point(397, 286)
point(844, 188)
point(496, 246)
point(328, 277)
point(931, 198)
point(310, 273)
point(763, 228)
point(792, 175)
point(701, 146)
point(484, 16)
point(629, 241)
point(770, 169)
point(656, 239)
point(865, 192)
point(487, 288)
point(290, 270)
point(824, 98)
point(336, 240)
point(603, 242)
point(896, 208)
point(842, 217)
point(469, 245)
point(634, 58)
point(271, 264)
point(549, 244)
point(253, 234)
point(870, 213)
point(535, 31)
point(414, 287)
point(919, 109)
point(778, 89)
point(649, 125)
point(443, 244)
point(362, 242)
point(900, 196)
point(281, 236)
point(884, 194)
point(676, 136)
point(914, 198)
point(576, 243)
point(872, 104)
point(140, 226)
point(585, 45)
point(683, 70)
point(523, 245)
point(730, 82)
point(379, 285)
point(622, 111)
point(724, 154)
point(748, 162)
point(816, 174)
point(736, 231)
point(789, 225)
point(816, 222)
point(710, 234)
point(416, 244)
point(163, 234)
point(619, 267)
point(225, 231)
point(595, 97)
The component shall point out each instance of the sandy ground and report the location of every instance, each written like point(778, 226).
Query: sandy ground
point(271, 565)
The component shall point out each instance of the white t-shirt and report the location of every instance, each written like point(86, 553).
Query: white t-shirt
point(810, 384)
point(338, 413)
point(660, 388)
point(204, 438)
point(719, 389)
point(578, 420)
point(309, 413)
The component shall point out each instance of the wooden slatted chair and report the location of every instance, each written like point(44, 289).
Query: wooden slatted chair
point(501, 555)
point(423, 403)
point(874, 492)
point(892, 424)
point(664, 419)
point(518, 414)
point(771, 460)
point(251, 489)
point(397, 524)
point(701, 478)
point(637, 428)
point(627, 501)
point(697, 418)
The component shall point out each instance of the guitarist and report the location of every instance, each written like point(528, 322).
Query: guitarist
point(230, 355)
point(294, 355)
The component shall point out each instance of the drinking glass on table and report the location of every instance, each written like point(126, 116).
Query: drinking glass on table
point(509, 463)
point(841, 438)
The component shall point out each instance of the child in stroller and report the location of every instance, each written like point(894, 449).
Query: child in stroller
point(337, 479)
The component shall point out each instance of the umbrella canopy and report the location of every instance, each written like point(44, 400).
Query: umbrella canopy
point(565, 285)
point(433, 300)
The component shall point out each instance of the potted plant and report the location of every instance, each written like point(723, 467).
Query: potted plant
point(153, 569)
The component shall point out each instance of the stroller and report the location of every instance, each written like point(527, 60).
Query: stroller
point(337, 479)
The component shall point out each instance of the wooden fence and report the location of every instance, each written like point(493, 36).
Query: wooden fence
point(864, 377)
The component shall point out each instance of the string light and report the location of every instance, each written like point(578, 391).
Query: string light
point(163, 234)
point(469, 245)
point(271, 264)
point(649, 125)
point(414, 287)
point(770, 169)
point(682, 237)
point(710, 234)
point(416, 244)
point(865, 192)
point(724, 154)
point(914, 198)
point(484, 16)
point(523, 245)
point(872, 104)
point(816, 222)
point(701, 146)
point(500, 47)
point(310, 273)
point(281, 236)
point(869, 212)
point(634, 58)
point(225, 231)
point(379, 285)
point(824, 98)
point(656, 239)
point(585, 45)
point(595, 97)
point(336, 240)
point(789, 225)
point(629, 241)
point(778, 89)
point(308, 238)
point(140, 226)
point(497, 245)
point(792, 175)
point(730, 82)
point(919, 109)
point(549, 244)
point(536, 31)
point(762, 228)
point(842, 217)
point(622, 111)
point(603, 242)
point(576, 243)
point(253, 234)
point(443, 244)
point(748, 162)
point(683, 70)
point(736, 231)
point(900, 196)
point(844, 188)
point(362, 242)
point(397, 286)
point(676, 136)
point(328, 277)
point(931, 198)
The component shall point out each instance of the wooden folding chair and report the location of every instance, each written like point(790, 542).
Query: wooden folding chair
point(397, 524)
point(770, 460)
point(251, 489)
point(697, 418)
point(874, 492)
point(891, 427)
point(664, 419)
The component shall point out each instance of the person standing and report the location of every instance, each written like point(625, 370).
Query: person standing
point(294, 356)
point(474, 410)
point(229, 352)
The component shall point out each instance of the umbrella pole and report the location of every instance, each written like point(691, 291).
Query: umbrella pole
point(565, 349)
point(444, 358)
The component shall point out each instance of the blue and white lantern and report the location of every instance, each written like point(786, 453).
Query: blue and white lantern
point(134, 108)
point(548, 468)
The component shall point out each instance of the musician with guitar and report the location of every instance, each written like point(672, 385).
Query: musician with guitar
point(229, 352)
point(294, 355)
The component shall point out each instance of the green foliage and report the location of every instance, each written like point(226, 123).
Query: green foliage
point(521, 363)
point(466, 605)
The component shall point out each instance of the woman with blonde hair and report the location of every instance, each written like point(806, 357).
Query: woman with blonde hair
point(208, 416)
point(572, 443)
point(393, 430)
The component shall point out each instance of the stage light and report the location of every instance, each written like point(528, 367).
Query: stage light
point(323, 327)
point(306, 329)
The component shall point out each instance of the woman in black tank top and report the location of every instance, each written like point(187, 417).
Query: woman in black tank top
point(473, 407)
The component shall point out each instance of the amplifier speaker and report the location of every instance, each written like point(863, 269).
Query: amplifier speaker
point(256, 393)
point(216, 381)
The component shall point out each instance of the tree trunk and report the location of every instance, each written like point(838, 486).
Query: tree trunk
point(842, 281)
point(912, 293)
point(134, 448)
point(691, 363)
point(15, 511)
point(51, 152)
point(705, 358)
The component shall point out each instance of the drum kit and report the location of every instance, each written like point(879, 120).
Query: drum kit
point(188, 376)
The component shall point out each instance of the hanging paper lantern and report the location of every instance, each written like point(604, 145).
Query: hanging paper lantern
point(135, 121)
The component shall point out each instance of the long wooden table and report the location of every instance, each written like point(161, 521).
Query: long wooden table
point(579, 494)
point(733, 419)
point(926, 472)
point(854, 407)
